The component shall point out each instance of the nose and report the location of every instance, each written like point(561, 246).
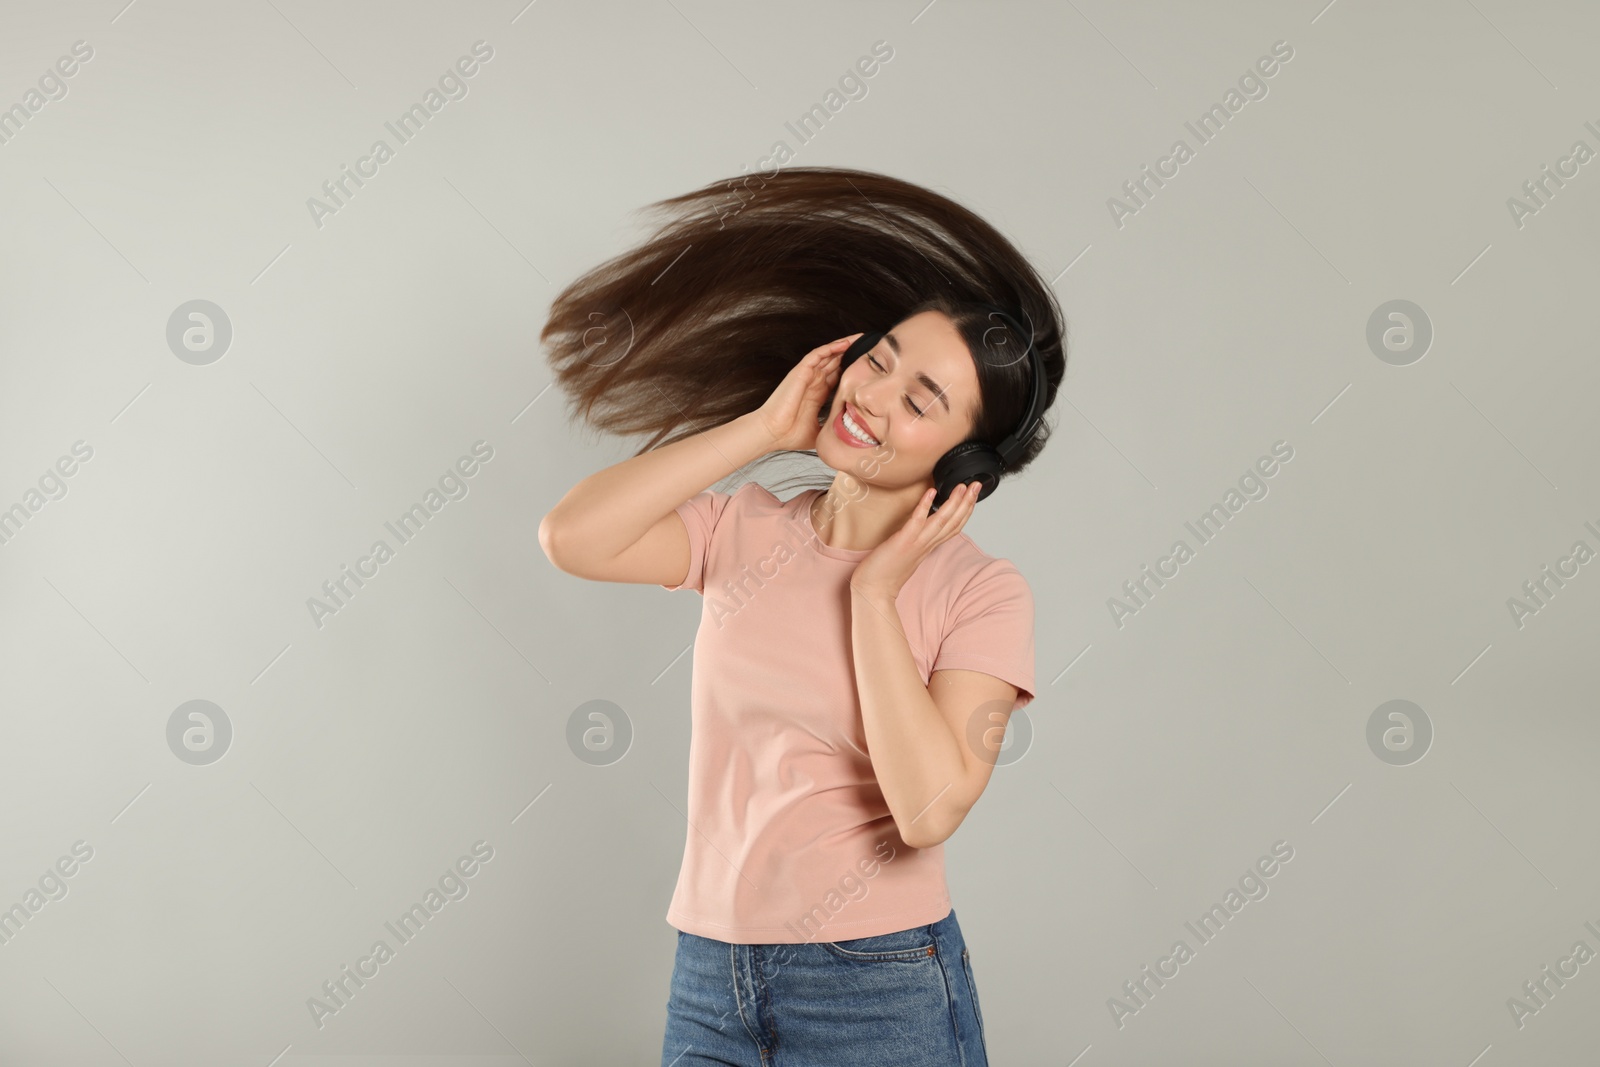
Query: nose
point(866, 398)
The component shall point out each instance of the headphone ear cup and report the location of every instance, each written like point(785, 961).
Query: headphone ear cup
point(971, 461)
point(861, 344)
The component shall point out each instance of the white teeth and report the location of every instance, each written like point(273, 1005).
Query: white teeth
point(857, 431)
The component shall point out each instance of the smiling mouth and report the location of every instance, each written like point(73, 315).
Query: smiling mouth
point(856, 432)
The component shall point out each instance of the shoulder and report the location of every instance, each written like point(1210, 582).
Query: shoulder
point(747, 497)
point(966, 572)
point(753, 502)
point(750, 494)
point(754, 494)
point(981, 618)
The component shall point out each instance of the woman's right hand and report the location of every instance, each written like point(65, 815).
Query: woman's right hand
point(790, 414)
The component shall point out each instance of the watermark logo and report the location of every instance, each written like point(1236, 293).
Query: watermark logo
point(452, 485)
point(811, 123)
point(1252, 887)
point(1542, 589)
point(1399, 332)
point(51, 886)
point(1399, 732)
point(199, 332)
point(1542, 189)
point(994, 739)
point(1251, 487)
point(850, 888)
point(453, 85)
point(199, 732)
point(599, 732)
point(52, 86)
point(452, 885)
point(1539, 991)
point(51, 487)
point(603, 343)
point(1251, 86)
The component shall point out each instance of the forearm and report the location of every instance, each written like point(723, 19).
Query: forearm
point(917, 759)
point(610, 510)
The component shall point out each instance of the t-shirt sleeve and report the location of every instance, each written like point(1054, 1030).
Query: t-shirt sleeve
point(992, 629)
point(700, 514)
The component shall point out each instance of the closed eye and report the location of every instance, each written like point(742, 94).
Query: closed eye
point(874, 361)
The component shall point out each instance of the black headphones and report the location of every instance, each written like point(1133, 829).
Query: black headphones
point(975, 460)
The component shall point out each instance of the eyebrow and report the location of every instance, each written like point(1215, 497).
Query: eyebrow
point(926, 382)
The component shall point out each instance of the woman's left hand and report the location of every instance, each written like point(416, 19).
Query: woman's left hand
point(887, 568)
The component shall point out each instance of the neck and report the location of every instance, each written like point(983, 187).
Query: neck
point(854, 516)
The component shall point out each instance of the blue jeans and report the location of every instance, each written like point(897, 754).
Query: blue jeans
point(905, 999)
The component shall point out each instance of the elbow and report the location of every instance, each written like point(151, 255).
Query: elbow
point(923, 834)
point(922, 838)
point(934, 826)
point(547, 541)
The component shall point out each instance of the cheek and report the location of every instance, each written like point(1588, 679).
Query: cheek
point(921, 441)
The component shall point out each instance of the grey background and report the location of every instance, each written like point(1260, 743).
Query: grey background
point(369, 354)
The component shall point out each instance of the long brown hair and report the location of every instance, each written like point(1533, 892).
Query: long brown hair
point(699, 324)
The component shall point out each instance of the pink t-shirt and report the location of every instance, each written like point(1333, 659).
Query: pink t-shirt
point(789, 837)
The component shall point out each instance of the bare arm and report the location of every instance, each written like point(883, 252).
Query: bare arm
point(592, 529)
point(930, 772)
point(619, 525)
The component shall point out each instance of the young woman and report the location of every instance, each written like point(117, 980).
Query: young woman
point(858, 655)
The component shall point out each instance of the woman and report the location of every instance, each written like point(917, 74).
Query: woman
point(858, 655)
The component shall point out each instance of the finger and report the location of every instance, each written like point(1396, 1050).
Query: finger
point(958, 509)
point(970, 504)
point(819, 377)
point(836, 349)
point(948, 514)
point(821, 380)
point(832, 348)
point(972, 501)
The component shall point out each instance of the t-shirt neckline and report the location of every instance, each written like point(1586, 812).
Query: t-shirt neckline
point(816, 538)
